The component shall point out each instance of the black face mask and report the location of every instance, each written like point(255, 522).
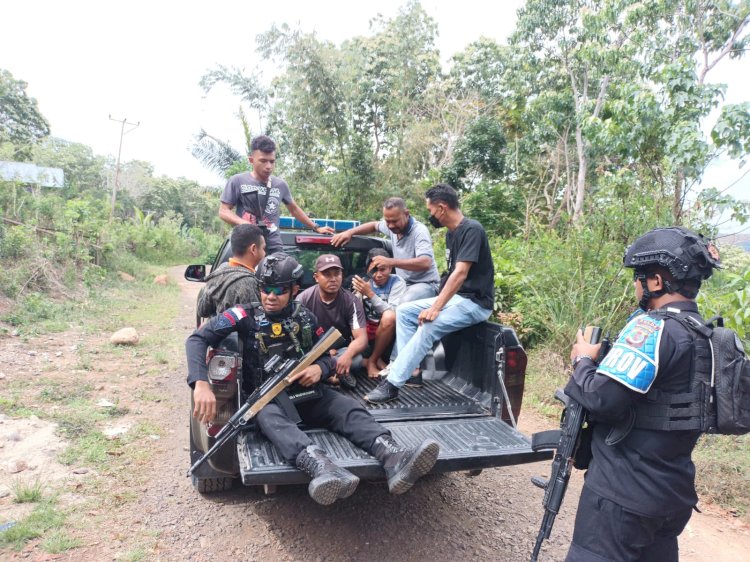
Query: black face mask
point(434, 222)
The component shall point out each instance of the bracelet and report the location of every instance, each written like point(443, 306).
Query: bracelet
point(578, 358)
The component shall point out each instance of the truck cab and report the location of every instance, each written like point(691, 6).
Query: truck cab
point(471, 399)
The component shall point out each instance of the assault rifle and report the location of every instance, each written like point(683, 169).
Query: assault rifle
point(281, 372)
point(569, 450)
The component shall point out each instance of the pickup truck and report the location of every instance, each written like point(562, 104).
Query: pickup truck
point(473, 389)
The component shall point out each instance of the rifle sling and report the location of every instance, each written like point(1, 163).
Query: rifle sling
point(543, 440)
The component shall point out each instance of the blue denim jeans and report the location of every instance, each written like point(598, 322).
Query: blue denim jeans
point(414, 341)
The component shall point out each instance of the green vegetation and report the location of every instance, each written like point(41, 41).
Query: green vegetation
point(45, 517)
point(59, 541)
point(26, 492)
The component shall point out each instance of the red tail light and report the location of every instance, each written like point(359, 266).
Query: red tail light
point(213, 428)
point(515, 361)
point(223, 366)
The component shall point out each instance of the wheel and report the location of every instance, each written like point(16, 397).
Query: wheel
point(212, 485)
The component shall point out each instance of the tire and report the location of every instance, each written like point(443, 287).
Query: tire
point(212, 485)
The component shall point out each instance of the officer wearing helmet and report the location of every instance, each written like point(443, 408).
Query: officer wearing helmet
point(280, 326)
point(639, 490)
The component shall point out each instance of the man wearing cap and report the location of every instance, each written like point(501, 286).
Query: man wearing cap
point(413, 256)
point(334, 307)
point(256, 196)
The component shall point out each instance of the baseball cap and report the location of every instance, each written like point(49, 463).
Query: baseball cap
point(327, 261)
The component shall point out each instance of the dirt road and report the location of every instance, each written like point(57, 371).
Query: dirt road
point(493, 516)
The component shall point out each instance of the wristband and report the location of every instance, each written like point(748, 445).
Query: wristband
point(578, 358)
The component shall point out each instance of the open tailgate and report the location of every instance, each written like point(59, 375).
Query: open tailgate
point(465, 444)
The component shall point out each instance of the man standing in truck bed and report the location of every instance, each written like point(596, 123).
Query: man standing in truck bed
point(257, 196)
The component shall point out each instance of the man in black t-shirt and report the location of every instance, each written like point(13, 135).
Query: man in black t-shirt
point(340, 309)
point(466, 294)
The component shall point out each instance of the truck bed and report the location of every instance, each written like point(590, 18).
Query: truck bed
point(446, 410)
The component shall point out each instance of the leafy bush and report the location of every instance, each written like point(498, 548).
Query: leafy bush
point(16, 241)
point(727, 293)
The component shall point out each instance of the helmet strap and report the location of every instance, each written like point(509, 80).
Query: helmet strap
point(649, 294)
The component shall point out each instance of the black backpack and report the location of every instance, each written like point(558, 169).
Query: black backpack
point(719, 397)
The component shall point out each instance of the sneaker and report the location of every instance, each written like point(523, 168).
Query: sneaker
point(415, 381)
point(348, 381)
point(384, 392)
point(384, 372)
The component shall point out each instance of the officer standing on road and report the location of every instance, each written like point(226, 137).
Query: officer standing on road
point(639, 491)
point(286, 328)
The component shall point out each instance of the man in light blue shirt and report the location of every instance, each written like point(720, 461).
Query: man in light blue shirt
point(413, 256)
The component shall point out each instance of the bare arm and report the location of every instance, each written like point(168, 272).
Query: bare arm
point(227, 214)
point(421, 263)
point(302, 217)
point(343, 238)
point(356, 346)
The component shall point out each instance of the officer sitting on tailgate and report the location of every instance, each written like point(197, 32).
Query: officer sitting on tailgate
point(284, 327)
point(639, 491)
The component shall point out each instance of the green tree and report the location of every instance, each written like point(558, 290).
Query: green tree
point(21, 122)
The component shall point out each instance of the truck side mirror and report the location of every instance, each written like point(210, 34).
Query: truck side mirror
point(195, 273)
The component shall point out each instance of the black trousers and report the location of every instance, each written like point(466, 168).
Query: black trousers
point(333, 411)
point(607, 532)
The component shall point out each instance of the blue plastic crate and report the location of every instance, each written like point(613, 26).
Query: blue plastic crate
point(337, 225)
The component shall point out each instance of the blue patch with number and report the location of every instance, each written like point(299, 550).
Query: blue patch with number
point(634, 358)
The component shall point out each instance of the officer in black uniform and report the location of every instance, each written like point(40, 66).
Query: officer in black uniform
point(286, 328)
point(639, 490)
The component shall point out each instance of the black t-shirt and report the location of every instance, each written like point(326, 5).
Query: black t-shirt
point(469, 243)
point(345, 313)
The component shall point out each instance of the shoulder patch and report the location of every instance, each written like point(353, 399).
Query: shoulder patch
point(235, 314)
point(634, 358)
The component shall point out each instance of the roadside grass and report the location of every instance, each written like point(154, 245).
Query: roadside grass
point(12, 401)
point(27, 491)
point(59, 541)
point(133, 555)
point(545, 373)
point(45, 517)
point(723, 471)
point(722, 461)
point(72, 403)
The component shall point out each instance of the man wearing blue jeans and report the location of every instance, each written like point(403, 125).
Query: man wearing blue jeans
point(466, 296)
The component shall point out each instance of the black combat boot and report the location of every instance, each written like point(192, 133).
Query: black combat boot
point(329, 481)
point(403, 467)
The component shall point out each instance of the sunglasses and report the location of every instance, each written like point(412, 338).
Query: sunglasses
point(274, 290)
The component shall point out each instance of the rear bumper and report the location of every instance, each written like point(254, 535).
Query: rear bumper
point(465, 444)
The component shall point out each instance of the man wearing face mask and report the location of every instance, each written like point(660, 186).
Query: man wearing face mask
point(466, 293)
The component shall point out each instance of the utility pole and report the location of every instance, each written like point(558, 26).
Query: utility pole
point(116, 185)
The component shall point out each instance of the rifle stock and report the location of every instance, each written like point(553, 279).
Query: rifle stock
point(266, 393)
point(573, 420)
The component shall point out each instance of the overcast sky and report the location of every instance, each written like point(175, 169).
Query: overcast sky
point(84, 60)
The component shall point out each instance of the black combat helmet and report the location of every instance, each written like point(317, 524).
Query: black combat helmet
point(688, 256)
point(279, 270)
